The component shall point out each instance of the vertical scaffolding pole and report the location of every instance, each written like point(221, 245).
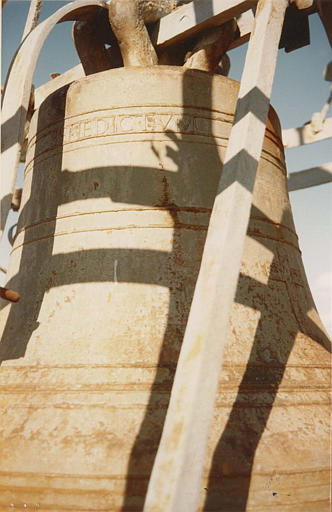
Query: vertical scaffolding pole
point(176, 475)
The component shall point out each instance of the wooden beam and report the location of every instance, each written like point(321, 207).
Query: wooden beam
point(310, 177)
point(294, 137)
point(176, 475)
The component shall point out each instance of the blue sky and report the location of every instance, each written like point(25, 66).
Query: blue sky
point(299, 91)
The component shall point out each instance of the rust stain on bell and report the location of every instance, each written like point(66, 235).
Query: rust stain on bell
point(9, 295)
point(121, 173)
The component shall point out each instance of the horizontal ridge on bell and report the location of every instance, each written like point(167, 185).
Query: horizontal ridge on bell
point(121, 174)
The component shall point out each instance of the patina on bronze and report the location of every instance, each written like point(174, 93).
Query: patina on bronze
point(128, 19)
point(121, 173)
point(120, 178)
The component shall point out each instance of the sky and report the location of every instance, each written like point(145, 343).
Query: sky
point(299, 90)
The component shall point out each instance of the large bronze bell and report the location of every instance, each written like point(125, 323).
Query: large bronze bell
point(121, 173)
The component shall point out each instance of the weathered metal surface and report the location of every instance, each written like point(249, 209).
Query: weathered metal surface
point(244, 22)
point(90, 47)
point(211, 47)
point(128, 24)
point(190, 20)
point(310, 177)
point(128, 19)
point(66, 78)
point(29, 113)
point(110, 237)
point(19, 82)
point(9, 295)
point(17, 95)
point(303, 4)
point(306, 134)
point(16, 199)
point(178, 466)
point(325, 12)
point(295, 31)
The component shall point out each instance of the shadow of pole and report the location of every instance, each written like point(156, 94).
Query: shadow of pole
point(40, 269)
point(147, 440)
point(233, 460)
point(30, 267)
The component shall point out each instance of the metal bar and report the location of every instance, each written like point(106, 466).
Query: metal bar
point(20, 79)
point(17, 95)
point(244, 21)
point(310, 177)
point(294, 137)
point(175, 479)
point(33, 17)
point(191, 19)
point(67, 77)
point(327, 105)
point(325, 13)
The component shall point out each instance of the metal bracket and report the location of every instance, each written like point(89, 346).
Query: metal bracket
point(295, 32)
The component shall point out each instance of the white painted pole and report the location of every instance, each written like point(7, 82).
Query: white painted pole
point(176, 475)
point(33, 16)
point(310, 177)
